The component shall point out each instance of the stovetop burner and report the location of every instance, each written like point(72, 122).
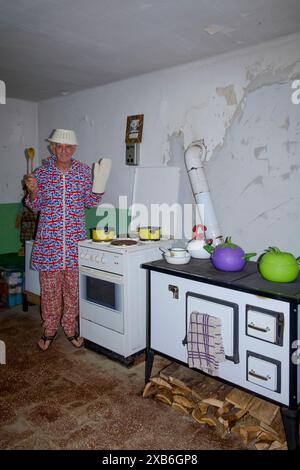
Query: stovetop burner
point(123, 242)
point(103, 241)
point(119, 245)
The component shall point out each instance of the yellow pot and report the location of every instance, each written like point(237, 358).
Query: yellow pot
point(149, 233)
point(103, 234)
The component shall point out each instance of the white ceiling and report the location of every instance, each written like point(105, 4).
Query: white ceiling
point(54, 47)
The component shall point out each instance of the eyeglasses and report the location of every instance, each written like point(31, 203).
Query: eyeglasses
point(66, 147)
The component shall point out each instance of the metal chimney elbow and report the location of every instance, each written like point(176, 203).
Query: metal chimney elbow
point(194, 155)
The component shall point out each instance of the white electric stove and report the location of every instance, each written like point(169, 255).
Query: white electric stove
point(112, 295)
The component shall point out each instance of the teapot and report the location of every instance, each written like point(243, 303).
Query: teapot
point(228, 256)
point(196, 246)
point(278, 266)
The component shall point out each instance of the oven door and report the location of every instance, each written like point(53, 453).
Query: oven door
point(101, 298)
point(226, 311)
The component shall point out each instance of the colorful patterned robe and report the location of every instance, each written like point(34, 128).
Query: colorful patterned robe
point(61, 200)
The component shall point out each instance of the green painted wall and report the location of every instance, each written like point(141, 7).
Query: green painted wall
point(10, 235)
point(115, 218)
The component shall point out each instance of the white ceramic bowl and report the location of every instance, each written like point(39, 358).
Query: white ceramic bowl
point(178, 252)
point(175, 260)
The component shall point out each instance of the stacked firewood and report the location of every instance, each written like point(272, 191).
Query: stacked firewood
point(257, 422)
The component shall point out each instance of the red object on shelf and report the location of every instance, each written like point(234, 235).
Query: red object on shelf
point(197, 235)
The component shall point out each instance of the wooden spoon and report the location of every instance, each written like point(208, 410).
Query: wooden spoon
point(30, 152)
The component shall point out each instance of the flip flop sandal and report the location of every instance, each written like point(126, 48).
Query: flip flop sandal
point(75, 337)
point(47, 338)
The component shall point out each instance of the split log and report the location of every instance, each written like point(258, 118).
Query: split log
point(249, 433)
point(262, 410)
point(276, 445)
point(179, 375)
point(277, 426)
point(231, 417)
point(213, 402)
point(266, 436)
point(277, 432)
point(161, 383)
point(207, 388)
point(243, 422)
point(150, 390)
point(178, 383)
point(164, 396)
point(262, 445)
point(224, 409)
point(198, 413)
point(180, 408)
point(203, 414)
point(164, 376)
point(203, 407)
point(180, 391)
point(183, 401)
point(239, 399)
point(257, 422)
point(196, 395)
point(210, 420)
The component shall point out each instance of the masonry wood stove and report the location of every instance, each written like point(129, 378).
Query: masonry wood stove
point(260, 328)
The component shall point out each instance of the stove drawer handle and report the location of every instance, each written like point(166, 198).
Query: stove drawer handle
point(258, 376)
point(258, 328)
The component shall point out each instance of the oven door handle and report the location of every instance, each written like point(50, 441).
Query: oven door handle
point(114, 278)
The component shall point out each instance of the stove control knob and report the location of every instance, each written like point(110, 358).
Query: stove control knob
point(81, 254)
point(87, 256)
point(103, 260)
point(97, 259)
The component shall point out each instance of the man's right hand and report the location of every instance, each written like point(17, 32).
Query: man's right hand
point(31, 184)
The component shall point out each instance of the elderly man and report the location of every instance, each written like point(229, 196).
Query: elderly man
point(60, 190)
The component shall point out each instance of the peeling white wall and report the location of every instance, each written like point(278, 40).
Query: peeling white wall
point(18, 131)
point(240, 103)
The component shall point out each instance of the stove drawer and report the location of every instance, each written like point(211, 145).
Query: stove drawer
point(266, 325)
point(264, 371)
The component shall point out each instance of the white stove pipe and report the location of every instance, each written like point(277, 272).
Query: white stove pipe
point(194, 156)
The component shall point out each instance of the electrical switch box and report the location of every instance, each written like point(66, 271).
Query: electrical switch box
point(132, 154)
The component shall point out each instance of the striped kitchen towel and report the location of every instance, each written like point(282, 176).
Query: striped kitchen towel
point(205, 343)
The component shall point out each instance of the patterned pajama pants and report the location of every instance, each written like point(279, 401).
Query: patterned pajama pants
point(59, 301)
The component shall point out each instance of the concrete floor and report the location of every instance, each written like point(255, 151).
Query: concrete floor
point(77, 399)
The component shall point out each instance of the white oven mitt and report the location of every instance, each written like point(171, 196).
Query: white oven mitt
point(101, 174)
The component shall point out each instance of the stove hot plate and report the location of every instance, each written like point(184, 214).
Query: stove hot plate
point(123, 242)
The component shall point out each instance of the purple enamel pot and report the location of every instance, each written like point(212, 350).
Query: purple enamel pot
point(228, 259)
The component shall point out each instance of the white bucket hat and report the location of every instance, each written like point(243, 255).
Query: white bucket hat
point(63, 136)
